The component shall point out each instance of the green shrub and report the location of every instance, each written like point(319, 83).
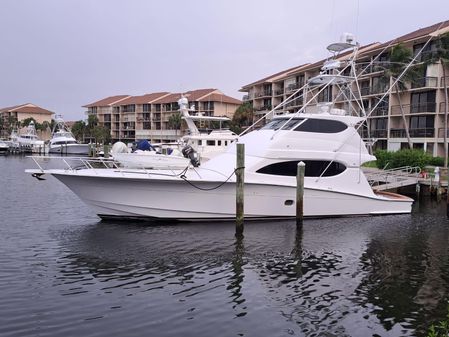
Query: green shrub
point(437, 161)
point(407, 157)
point(383, 158)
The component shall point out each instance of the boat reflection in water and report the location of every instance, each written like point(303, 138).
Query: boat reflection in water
point(345, 277)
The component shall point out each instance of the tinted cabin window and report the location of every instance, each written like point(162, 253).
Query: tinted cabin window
point(321, 126)
point(314, 168)
point(283, 123)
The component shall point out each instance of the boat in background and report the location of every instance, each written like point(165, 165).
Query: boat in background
point(29, 141)
point(147, 157)
point(4, 147)
point(63, 141)
point(207, 144)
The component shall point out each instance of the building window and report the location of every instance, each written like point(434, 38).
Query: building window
point(325, 95)
point(146, 107)
point(422, 126)
point(314, 168)
point(208, 105)
point(426, 53)
point(129, 108)
point(423, 102)
point(379, 124)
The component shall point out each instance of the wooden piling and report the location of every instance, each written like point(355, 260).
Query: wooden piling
point(240, 181)
point(447, 195)
point(418, 190)
point(106, 150)
point(300, 193)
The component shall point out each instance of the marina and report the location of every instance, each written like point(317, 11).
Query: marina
point(64, 271)
point(217, 175)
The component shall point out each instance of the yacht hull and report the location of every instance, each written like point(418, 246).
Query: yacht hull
point(81, 149)
point(120, 197)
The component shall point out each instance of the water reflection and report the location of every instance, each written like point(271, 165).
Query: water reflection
point(63, 272)
point(326, 276)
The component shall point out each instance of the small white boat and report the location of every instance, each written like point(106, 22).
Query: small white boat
point(4, 147)
point(29, 141)
point(206, 144)
point(148, 159)
point(63, 142)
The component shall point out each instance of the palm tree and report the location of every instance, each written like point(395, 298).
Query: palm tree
point(441, 55)
point(79, 130)
point(400, 57)
point(174, 122)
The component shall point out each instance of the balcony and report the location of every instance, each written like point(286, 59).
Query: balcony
point(415, 133)
point(425, 82)
point(373, 90)
point(294, 103)
point(379, 111)
point(267, 93)
point(264, 108)
point(379, 133)
point(279, 92)
point(293, 87)
point(426, 107)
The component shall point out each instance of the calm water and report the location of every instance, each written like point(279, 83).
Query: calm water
point(65, 273)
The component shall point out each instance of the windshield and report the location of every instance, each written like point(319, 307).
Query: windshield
point(283, 123)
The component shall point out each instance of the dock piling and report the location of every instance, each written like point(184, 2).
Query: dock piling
point(447, 196)
point(300, 193)
point(240, 181)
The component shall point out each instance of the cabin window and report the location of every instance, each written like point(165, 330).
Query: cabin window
point(321, 126)
point(314, 168)
point(219, 142)
point(211, 142)
point(226, 143)
point(283, 123)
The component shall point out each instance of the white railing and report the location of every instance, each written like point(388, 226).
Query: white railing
point(400, 176)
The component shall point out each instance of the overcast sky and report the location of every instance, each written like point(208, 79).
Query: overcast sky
point(62, 54)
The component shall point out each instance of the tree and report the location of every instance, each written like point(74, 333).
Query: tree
point(174, 122)
point(441, 55)
point(79, 130)
point(92, 122)
point(400, 57)
point(243, 116)
point(102, 134)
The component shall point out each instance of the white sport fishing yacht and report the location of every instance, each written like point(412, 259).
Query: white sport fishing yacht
point(29, 141)
point(325, 139)
point(63, 142)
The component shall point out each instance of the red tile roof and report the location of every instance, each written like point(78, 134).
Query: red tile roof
point(144, 99)
point(165, 98)
point(422, 32)
point(108, 101)
point(265, 79)
point(215, 97)
point(27, 108)
point(168, 99)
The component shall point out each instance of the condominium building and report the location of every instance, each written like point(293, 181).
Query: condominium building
point(418, 107)
point(11, 115)
point(147, 116)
